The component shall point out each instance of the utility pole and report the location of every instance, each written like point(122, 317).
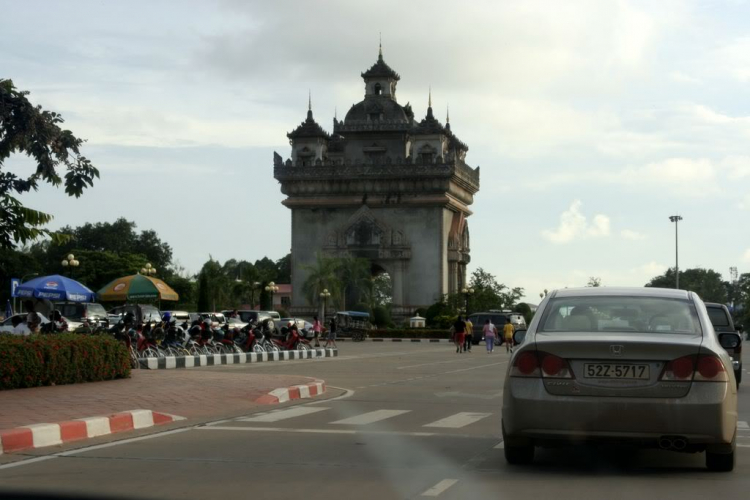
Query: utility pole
point(676, 219)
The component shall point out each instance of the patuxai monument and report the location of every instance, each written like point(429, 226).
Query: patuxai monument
point(384, 186)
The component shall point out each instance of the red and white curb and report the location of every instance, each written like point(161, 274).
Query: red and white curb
point(285, 394)
point(41, 435)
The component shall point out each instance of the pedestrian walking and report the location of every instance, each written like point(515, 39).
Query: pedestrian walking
point(508, 334)
point(490, 332)
point(317, 329)
point(469, 335)
point(331, 338)
point(460, 327)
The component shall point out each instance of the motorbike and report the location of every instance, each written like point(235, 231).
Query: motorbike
point(293, 341)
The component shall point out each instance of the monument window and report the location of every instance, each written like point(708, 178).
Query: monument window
point(378, 89)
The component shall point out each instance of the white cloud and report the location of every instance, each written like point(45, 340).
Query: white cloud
point(681, 77)
point(629, 234)
point(746, 256)
point(573, 225)
point(734, 58)
point(744, 203)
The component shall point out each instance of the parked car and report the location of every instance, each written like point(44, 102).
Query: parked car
point(6, 326)
point(723, 324)
point(79, 312)
point(274, 315)
point(179, 316)
point(251, 316)
point(498, 318)
point(217, 319)
point(144, 313)
point(641, 366)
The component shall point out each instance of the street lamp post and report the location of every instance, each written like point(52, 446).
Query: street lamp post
point(272, 288)
point(148, 270)
point(324, 296)
point(676, 219)
point(71, 262)
point(467, 292)
point(256, 284)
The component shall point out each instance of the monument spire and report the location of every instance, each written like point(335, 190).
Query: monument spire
point(309, 105)
point(380, 46)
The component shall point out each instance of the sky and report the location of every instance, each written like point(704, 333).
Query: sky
point(592, 121)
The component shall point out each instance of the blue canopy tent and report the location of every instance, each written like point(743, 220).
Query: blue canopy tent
point(55, 287)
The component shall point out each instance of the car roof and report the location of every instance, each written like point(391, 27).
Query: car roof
point(716, 304)
point(603, 291)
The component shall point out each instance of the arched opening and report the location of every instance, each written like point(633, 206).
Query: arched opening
point(378, 89)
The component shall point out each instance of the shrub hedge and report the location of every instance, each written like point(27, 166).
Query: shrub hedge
point(410, 333)
point(60, 359)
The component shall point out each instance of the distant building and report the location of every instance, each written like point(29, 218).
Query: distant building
point(383, 186)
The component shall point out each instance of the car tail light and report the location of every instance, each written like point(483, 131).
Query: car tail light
point(703, 368)
point(679, 369)
point(710, 369)
point(526, 364)
point(555, 367)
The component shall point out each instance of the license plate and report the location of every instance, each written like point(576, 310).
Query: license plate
point(611, 370)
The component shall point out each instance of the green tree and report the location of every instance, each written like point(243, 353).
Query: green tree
point(354, 275)
point(523, 308)
point(284, 267)
point(322, 274)
point(489, 294)
point(594, 282)
point(707, 283)
point(30, 130)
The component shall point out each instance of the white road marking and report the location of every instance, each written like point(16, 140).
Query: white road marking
point(439, 488)
point(743, 445)
point(430, 364)
point(743, 425)
point(500, 445)
point(371, 417)
point(316, 431)
point(275, 416)
point(459, 394)
point(458, 420)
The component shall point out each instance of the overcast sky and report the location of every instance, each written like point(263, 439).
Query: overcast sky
point(592, 121)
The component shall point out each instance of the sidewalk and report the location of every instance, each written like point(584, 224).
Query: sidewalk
point(187, 393)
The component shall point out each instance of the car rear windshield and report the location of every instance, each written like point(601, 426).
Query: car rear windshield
point(620, 314)
point(718, 316)
point(95, 310)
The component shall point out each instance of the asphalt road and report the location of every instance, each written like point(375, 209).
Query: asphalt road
point(400, 421)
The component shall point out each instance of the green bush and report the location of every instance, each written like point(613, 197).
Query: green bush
point(381, 317)
point(443, 321)
point(39, 360)
point(409, 333)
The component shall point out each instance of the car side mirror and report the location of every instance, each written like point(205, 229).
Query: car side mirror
point(518, 336)
point(729, 340)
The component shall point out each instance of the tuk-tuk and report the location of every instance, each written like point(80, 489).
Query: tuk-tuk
point(353, 323)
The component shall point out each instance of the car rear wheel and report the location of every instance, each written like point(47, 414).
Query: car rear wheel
point(738, 376)
point(720, 462)
point(519, 455)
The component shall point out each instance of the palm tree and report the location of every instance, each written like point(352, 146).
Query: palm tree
point(322, 275)
point(355, 277)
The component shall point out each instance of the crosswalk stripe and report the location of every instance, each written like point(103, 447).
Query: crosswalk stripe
point(275, 416)
point(458, 420)
point(742, 425)
point(371, 417)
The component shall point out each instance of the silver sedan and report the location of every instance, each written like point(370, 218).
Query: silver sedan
point(630, 365)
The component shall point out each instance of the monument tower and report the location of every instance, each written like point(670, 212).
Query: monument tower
point(383, 186)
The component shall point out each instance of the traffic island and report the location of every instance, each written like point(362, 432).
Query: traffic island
point(170, 362)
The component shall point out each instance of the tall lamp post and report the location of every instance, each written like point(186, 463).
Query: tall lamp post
point(148, 270)
point(324, 297)
point(467, 292)
point(256, 284)
point(70, 262)
point(272, 288)
point(676, 219)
